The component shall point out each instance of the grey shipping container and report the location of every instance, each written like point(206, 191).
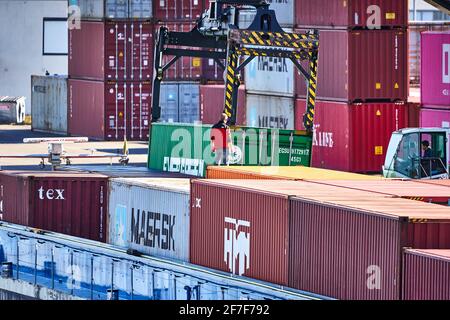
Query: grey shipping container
point(113, 9)
point(150, 216)
point(270, 112)
point(180, 102)
point(12, 109)
point(49, 103)
point(284, 10)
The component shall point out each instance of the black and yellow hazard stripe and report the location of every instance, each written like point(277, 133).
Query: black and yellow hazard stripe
point(277, 39)
point(230, 82)
point(311, 94)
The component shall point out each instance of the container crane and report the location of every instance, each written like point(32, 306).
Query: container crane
point(217, 36)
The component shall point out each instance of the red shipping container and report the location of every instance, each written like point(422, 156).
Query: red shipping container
point(352, 137)
point(212, 100)
point(361, 66)
point(189, 68)
point(434, 118)
point(352, 13)
point(413, 115)
point(109, 110)
point(69, 202)
point(426, 274)
point(435, 68)
point(176, 10)
point(120, 50)
point(399, 188)
point(330, 241)
point(248, 235)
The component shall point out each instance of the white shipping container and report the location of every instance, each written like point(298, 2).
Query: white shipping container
point(150, 215)
point(270, 112)
point(49, 104)
point(270, 75)
point(12, 109)
point(284, 9)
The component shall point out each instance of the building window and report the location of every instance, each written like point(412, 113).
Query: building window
point(55, 41)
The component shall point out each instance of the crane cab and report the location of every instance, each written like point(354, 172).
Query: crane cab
point(418, 154)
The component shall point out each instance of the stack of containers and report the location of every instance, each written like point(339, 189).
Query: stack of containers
point(362, 80)
point(270, 81)
point(182, 87)
point(110, 70)
point(435, 79)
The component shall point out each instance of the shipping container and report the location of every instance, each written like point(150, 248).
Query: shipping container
point(402, 189)
point(413, 114)
point(309, 236)
point(361, 66)
point(12, 110)
point(49, 104)
point(189, 68)
point(179, 10)
point(113, 9)
point(186, 148)
point(282, 173)
point(109, 110)
point(212, 101)
point(414, 31)
point(120, 50)
point(435, 67)
point(370, 14)
point(434, 118)
point(270, 76)
point(180, 102)
point(352, 137)
point(120, 171)
point(270, 112)
point(150, 216)
point(284, 10)
point(69, 202)
point(426, 274)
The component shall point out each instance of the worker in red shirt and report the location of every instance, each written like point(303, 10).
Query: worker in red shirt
point(221, 142)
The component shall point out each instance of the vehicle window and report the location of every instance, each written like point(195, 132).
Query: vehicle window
point(406, 161)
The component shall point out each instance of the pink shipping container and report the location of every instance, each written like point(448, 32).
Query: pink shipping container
point(352, 137)
point(70, 203)
point(431, 118)
point(212, 99)
point(351, 13)
point(309, 236)
point(189, 68)
point(176, 10)
point(120, 50)
point(435, 67)
point(426, 274)
point(109, 110)
point(361, 66)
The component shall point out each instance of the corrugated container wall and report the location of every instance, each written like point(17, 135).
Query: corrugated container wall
point(12, 110)
point(109, 110)
point(426, 274)
point(113, 9)
point(49, 104)
point(414, 30)
point(150, 215)
point(361, 66)
point(212, 100)
point(331, 241)
point(352, 13)
point(69, 203)
point(180, 102)
point(284, 11)
point(352, 137)
point(119, 50)
point(176, 10)
point(270, 75)
point(435, 66)
point(270, 112)
point(434, 118)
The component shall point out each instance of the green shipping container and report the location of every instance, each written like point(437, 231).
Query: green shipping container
point(186, 148)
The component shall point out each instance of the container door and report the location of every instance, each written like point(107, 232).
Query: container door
point(140, 111)
point(189, 103)
point(141, 51)
point(116, 110)
point(116, 50)
point(169, 102)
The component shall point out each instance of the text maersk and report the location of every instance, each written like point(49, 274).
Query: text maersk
point(152, 229)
